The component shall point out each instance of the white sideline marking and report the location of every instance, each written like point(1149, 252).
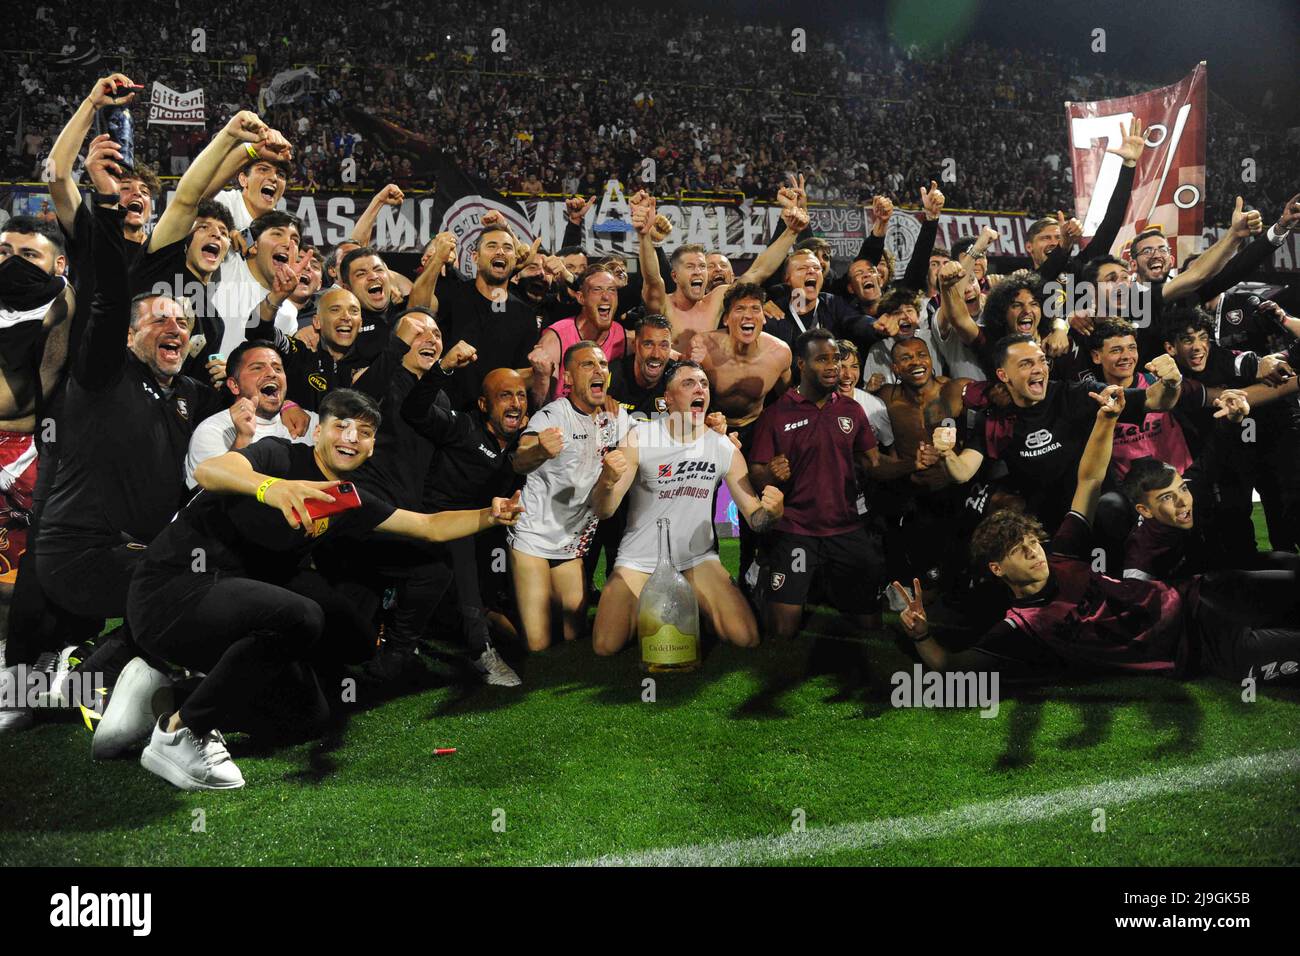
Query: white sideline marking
point(875, 833)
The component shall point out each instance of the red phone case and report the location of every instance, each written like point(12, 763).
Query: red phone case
point(345, 499)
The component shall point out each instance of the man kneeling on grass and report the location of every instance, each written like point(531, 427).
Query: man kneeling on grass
point(672, 467)
point(224, 590)
point(1066, 618)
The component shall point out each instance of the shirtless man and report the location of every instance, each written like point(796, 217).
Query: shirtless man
point(744, 365)
point(36, 306)
point(692, 307)
point(923, 505)
point(650, 467)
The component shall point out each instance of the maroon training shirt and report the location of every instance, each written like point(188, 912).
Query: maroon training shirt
point(821, 443)
point(1091, 621)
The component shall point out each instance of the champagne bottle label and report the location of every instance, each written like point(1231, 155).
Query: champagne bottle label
point(669, 646)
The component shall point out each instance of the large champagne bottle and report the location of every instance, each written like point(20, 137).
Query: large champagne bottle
point(668, 617)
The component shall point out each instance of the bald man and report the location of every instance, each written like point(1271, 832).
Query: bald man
point(313, 370)
point(471, 462)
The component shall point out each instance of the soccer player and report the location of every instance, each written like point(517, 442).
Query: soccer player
point(597, 295)
point(637, 380)
point(671, 468)
point(811, 441)
point(251, 612)
point(561, 452)
point(1065, 618)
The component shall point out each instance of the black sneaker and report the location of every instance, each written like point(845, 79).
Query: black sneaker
point(392, 665)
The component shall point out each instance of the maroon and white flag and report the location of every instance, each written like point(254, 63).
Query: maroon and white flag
point(1169, 185)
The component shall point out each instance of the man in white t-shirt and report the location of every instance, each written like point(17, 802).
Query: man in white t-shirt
point(261, 187)
point(561, 451)
point(255, 376)
point(671, 468)
point(263, 282)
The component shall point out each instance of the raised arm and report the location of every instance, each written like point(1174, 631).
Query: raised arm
point(918, 266)
point(1209, 263)
point(245, 127)
point(233, 474)
point(653, 293)
point(1096, 453)
point(953, 314)
point(774, 256)
point(63, 155)
point(390, 195)
point(1163, 395)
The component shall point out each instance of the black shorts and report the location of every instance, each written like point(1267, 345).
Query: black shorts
point(850, 565)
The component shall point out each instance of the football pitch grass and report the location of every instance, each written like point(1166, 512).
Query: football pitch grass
point(722, 767)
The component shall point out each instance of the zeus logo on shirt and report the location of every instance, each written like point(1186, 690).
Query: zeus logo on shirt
point(791, 426)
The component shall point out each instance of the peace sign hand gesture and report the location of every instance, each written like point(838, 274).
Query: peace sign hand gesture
point(912, 617)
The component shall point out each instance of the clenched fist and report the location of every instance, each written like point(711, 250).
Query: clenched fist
point(460, 355)
point(1165, 368)
point(945, 439)
point(614, 466)
point(950, 274)
point(551, 440)
point(773, 501)
point(780, 468)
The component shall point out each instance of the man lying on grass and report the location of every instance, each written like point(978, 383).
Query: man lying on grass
point(226, 590)
point(1067, 619)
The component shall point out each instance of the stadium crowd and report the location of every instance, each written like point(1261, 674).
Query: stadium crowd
point(729, 110)
point(286, 467)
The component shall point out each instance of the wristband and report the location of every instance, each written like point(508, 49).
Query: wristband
point(261, 489)
point(1060, 325)
point(922, 639)
point(252, 152)
point(288, 405)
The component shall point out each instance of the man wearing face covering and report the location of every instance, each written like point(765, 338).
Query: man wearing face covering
point(36, 309)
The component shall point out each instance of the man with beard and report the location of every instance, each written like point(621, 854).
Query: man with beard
point(472, 463)
point(312, 371)
point(598, 297)
point(672, 468)
point(1067, 618)
point(810, 308)
point(691, 308)
point(561, 452)
point(255, 377)
point(255, 613)
point(636, 381)
point(36, 310)
point(1041, 434)
point(813, 441)
point(746, 369)
point(481, 313)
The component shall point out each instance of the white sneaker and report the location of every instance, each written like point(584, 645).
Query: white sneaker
point(191, 762)
point(13, 716)
point(495, 670)
point(142, 694)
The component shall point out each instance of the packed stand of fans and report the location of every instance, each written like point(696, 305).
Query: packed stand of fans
point(730, 109)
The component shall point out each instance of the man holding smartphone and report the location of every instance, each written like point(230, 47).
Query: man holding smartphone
point(224, 590)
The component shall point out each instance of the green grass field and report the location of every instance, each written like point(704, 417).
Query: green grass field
point(575, 765)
